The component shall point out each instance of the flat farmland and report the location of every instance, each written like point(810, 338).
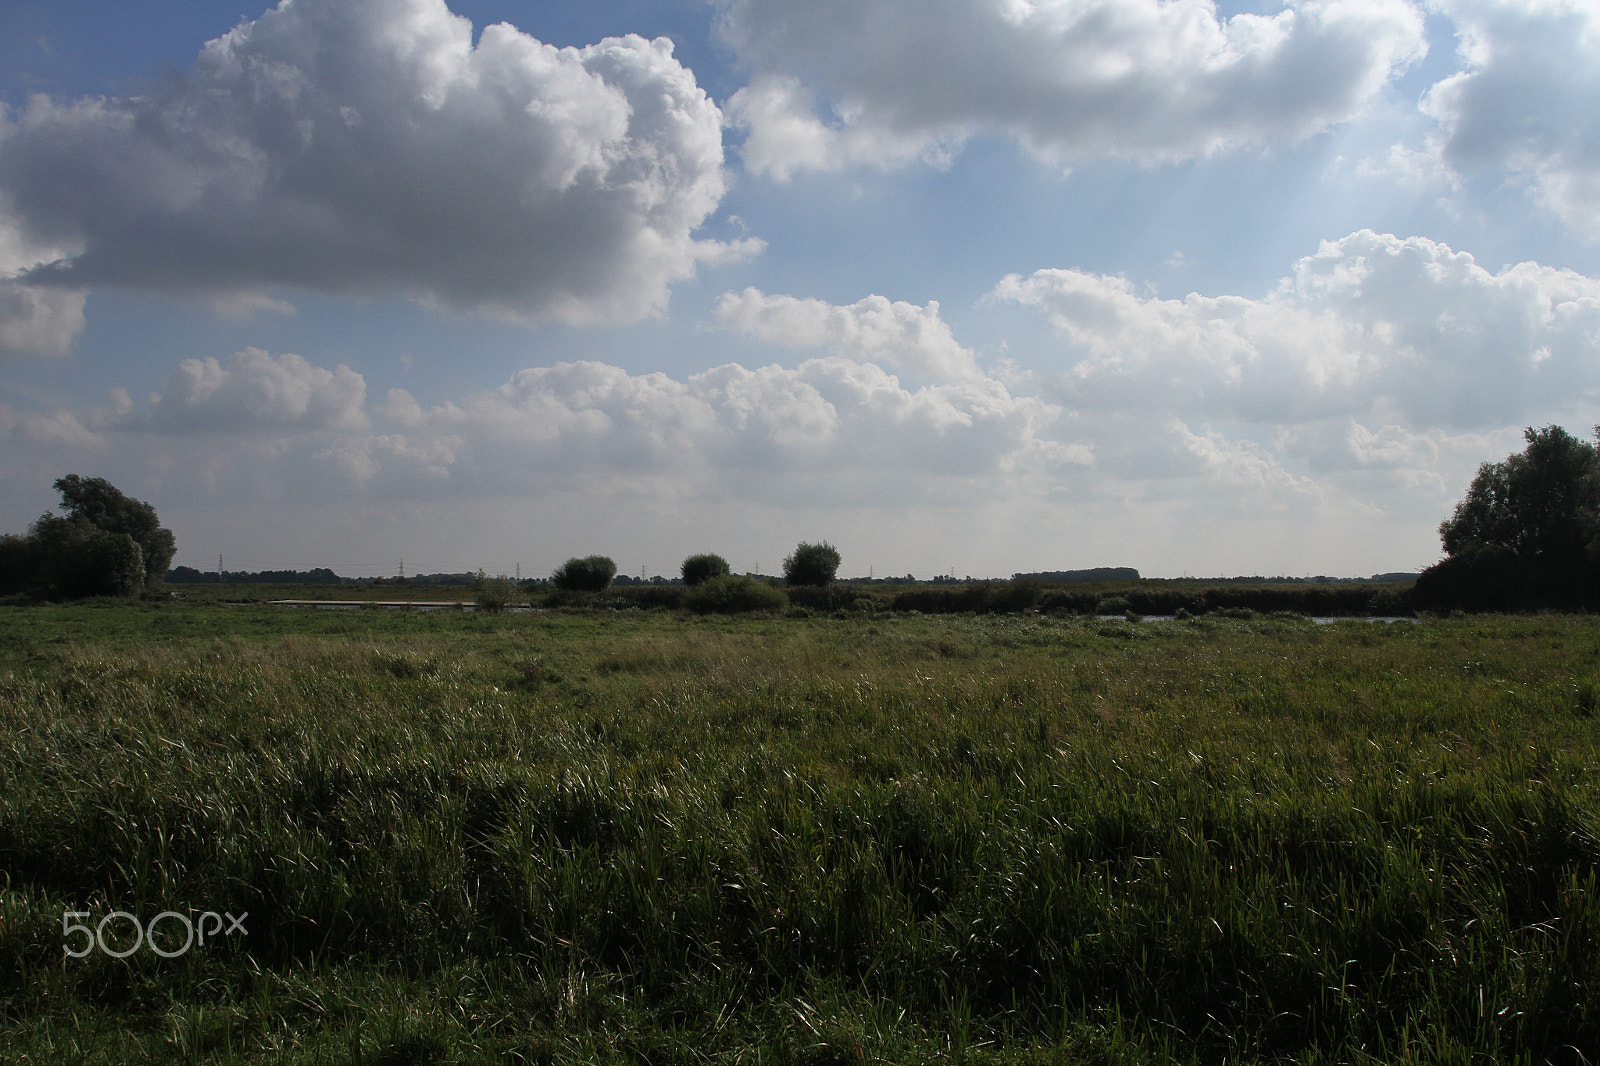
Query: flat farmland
point(241, 834)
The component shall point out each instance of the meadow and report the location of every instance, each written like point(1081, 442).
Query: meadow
point(579, 836)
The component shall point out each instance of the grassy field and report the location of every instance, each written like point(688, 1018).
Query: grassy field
point(594, 836)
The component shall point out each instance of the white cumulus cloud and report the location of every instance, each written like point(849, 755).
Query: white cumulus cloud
point(841, 82)
point(370, 147)
point(254, 390)
point(1409, 331)
point(830, 428)
point(872, 330)
point(35, 320)
point(1528, 102)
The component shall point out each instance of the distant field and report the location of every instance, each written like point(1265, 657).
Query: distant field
point(595, 836)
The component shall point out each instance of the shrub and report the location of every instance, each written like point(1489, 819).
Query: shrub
point(1113, 605)
point(980, 597)
point(811, 564)
point(592, 573)
point(650, 597)
point(495, 594)
point(734, 595)
point(701, 568)
point(1020, 594)
point(977, 598)
point(1063, 601)
point(817, 598)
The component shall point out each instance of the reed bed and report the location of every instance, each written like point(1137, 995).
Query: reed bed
point(586, 836)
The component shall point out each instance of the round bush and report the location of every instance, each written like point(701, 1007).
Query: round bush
point(811, 564)
point(698, 569)
point(589, 574)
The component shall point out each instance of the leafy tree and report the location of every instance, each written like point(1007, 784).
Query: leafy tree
point(811, 564)
point(73, 558)
point(701, 568)
point(589, 574)
point(1527, 533)
point(98, 502)
point(104, 545)
point(1540, 504)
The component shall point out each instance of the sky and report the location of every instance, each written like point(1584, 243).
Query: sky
point(960, 286)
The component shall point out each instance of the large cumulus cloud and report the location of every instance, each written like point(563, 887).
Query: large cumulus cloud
point(828, 432)
point(1528, 101)
point(255, 390)
point(1336, 417)
point(369, 147)
point(1147, 79)
point(1371, 326)
point(832, 429)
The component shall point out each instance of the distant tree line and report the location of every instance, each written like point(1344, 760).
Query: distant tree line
point(188, 575)
point(1396, 578)
point(108, 544)
point(1073, 577)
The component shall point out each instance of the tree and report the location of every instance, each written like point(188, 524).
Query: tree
point(1527, 533)
point(811, 564)
point(589, 574)
point(1533, 505)
point(19, 567)
point(72, 558)
point(104, 545)
point(701, 568)
point(98, 502)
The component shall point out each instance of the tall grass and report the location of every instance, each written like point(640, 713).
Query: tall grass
point(581, 837)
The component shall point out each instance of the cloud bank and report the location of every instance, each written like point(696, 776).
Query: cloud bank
point(843, 82)
point(1371, 326)
point(1359, 393)
point(368, 147)
point(1528, 102)
point(1381, 356)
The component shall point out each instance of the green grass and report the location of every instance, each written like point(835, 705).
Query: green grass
point(591, 836)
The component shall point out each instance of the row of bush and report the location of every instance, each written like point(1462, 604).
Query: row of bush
point(1023, 595)
point(729, 594)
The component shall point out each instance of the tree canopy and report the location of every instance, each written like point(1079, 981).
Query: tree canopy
point(811, 564)
point(106, 544)
point(98, 502)
point(592, 573)
point(698, 569)
point(1527, 533)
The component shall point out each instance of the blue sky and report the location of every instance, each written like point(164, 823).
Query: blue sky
point(975, 286)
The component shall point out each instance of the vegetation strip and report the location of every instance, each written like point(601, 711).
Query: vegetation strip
point(587, 836)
